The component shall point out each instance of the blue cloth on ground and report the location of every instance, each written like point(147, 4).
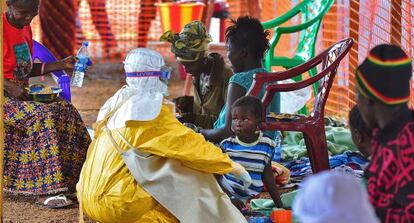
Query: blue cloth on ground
point(302, 167)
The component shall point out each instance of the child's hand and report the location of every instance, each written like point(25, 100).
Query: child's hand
point(192, 126)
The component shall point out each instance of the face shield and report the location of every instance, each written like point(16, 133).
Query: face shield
point(146, 72)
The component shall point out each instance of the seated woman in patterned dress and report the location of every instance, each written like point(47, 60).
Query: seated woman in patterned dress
point(45, 143)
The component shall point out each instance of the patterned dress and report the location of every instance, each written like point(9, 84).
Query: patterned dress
point(45, 147)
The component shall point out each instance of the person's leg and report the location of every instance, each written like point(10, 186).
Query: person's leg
point(225, 186)
point(45, 147)
point(234, 197)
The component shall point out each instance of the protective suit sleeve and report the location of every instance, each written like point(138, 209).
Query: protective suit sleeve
point(167, 137)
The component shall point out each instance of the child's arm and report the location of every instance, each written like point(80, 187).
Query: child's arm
point(269, 181)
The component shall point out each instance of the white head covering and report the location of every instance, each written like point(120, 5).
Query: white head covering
point(332, 197)
point(143, 96)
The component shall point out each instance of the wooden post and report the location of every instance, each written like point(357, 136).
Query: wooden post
point(208, 13)
point(410, 50)
point(2, 7)
point(253, 8)
point(330, 35)
point(396, 28)
point(353, 53)
point(285, 44)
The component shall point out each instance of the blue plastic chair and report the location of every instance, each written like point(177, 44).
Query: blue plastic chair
point(42, 54)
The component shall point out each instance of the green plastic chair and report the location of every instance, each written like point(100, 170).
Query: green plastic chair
point(312, 12)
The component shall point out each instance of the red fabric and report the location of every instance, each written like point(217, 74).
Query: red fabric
point(391, 174)
point(13, 37)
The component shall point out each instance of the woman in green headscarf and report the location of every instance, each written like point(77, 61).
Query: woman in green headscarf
point(209, 72)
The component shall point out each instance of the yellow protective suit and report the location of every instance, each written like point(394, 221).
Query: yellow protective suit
point(109, 193)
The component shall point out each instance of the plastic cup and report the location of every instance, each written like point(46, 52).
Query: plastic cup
point(281, 216)
point(64, 84)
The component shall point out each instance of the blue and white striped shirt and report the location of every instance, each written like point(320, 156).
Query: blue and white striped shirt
point(252, 156)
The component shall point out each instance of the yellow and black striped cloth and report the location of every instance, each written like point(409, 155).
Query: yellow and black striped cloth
point(385, 75)
point(191, 44)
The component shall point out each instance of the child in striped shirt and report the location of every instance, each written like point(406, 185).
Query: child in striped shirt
point(252, 149)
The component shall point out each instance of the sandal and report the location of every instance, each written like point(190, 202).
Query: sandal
point(61, 197)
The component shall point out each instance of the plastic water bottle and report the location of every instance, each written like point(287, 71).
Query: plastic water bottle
point(278, 148)
point(80, 66)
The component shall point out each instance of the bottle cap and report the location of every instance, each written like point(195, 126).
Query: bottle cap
point(85, 43)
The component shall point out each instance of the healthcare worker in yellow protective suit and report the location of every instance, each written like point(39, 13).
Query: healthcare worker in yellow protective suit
point(145, 166)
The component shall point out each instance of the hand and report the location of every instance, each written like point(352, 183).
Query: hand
point(15, 90)
point(184, 104)
point(192, 126)
point(68, 63)
point(22, 71)
point(241, 174)
point(238, 203)
point(187, 117)
point(246, 179)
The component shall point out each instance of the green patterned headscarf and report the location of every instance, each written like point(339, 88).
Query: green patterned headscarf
point(191, 43)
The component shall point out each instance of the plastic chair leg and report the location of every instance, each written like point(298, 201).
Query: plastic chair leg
point(317, 150)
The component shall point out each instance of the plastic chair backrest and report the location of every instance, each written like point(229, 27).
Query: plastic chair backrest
point(41, 53)
point(312, 12)
point(329, 59)
point(330, 64)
